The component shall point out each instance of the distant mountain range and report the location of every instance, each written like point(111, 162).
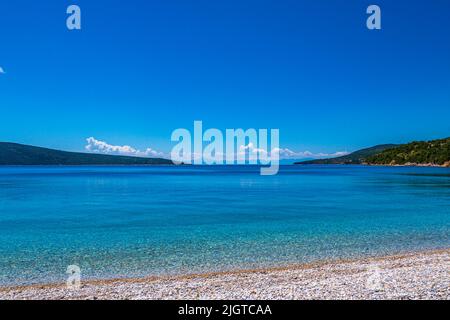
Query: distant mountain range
point(356, 157)
point(422, 153)
point(19, 154)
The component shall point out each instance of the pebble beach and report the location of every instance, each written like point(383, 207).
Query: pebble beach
point(423, 275)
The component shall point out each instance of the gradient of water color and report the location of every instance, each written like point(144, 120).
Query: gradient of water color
point(139, 221)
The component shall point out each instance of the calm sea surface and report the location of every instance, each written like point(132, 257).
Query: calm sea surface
point(137, 221)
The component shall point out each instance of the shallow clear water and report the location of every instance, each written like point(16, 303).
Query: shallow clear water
point(136, 221)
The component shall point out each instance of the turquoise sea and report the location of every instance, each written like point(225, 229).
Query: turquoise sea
point(138, 221)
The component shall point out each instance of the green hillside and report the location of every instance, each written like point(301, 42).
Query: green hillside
point(356, 157)
point(19, 154)
point(436, 152)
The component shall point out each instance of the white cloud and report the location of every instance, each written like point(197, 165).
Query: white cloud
point(289, 154)
point(285, 153)
point(2, 71)
point(249, 151)
point(97, 146)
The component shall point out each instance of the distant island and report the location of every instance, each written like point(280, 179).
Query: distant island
point(19, 154)
point(417, 153)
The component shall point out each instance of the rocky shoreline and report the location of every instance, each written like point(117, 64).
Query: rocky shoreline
point(411, 164)
point(424, 275)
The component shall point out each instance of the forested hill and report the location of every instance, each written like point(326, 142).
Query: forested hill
point(435, 152)
point(19, 154)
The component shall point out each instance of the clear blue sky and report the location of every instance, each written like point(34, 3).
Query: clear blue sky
point(139, 69)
